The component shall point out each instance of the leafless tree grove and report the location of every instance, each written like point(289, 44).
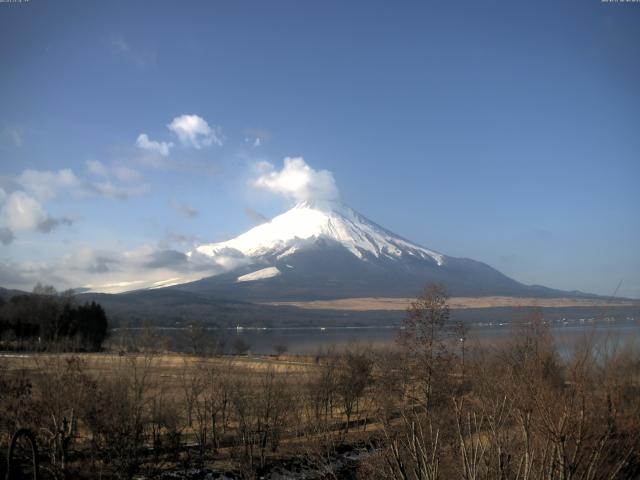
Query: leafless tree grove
point(434, 406)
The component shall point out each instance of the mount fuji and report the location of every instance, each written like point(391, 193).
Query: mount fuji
point(326, 250)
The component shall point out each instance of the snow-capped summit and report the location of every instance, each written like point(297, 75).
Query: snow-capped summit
point(324, 249)
point(320, 220)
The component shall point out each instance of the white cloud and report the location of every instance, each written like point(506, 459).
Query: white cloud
point(256, 142)
point(297, 181)
point(161, 148)
point(143, 267)
point(45, 184)
point(96, 167)
point(25, 275)
point(89, 260)
point(173, 237)
point(109, 189)
point(105, 270)
point(22, 209)
point(194, 131)
point(121, 172)
point(21, 212)
point(126, 174)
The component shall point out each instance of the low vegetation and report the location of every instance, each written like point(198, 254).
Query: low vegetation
point(434, 406)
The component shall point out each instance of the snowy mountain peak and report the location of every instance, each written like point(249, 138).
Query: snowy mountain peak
point(315, 220)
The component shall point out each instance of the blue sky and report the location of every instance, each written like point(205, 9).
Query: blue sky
point(507, 132)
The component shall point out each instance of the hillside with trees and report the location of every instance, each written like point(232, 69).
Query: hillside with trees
point(47, 319)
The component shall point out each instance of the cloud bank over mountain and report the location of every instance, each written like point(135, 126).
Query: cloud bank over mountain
point(297, 181)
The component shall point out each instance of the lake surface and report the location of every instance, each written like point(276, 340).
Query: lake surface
point(318, 339)
point(311, 341)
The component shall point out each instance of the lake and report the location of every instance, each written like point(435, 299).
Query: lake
point(310, 341)
point(313, 340)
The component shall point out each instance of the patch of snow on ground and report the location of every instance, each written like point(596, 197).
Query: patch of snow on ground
point(259, 274)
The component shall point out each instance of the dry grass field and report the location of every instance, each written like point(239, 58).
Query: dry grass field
point(225, 412)
point(517, 404)
point(394, 304)
point(165, 365)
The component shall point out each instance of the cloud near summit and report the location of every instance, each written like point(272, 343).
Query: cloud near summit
point(296, 181)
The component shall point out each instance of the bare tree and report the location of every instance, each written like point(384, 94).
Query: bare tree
point(240, 346)
point(217, 382)
point(461, 334)
point(392, 379)
point(320, 387)
point(422, 335)
point(354, 376)
point(280, 349)
point(197, 337)
point(414, 451)
point(273, 404)
point(192, 386)
point(118, 414)
point(62, 389)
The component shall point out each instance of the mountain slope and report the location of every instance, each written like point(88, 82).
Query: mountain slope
point(324, 250)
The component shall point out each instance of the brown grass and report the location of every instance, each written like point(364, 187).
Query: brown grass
point(394, 304)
